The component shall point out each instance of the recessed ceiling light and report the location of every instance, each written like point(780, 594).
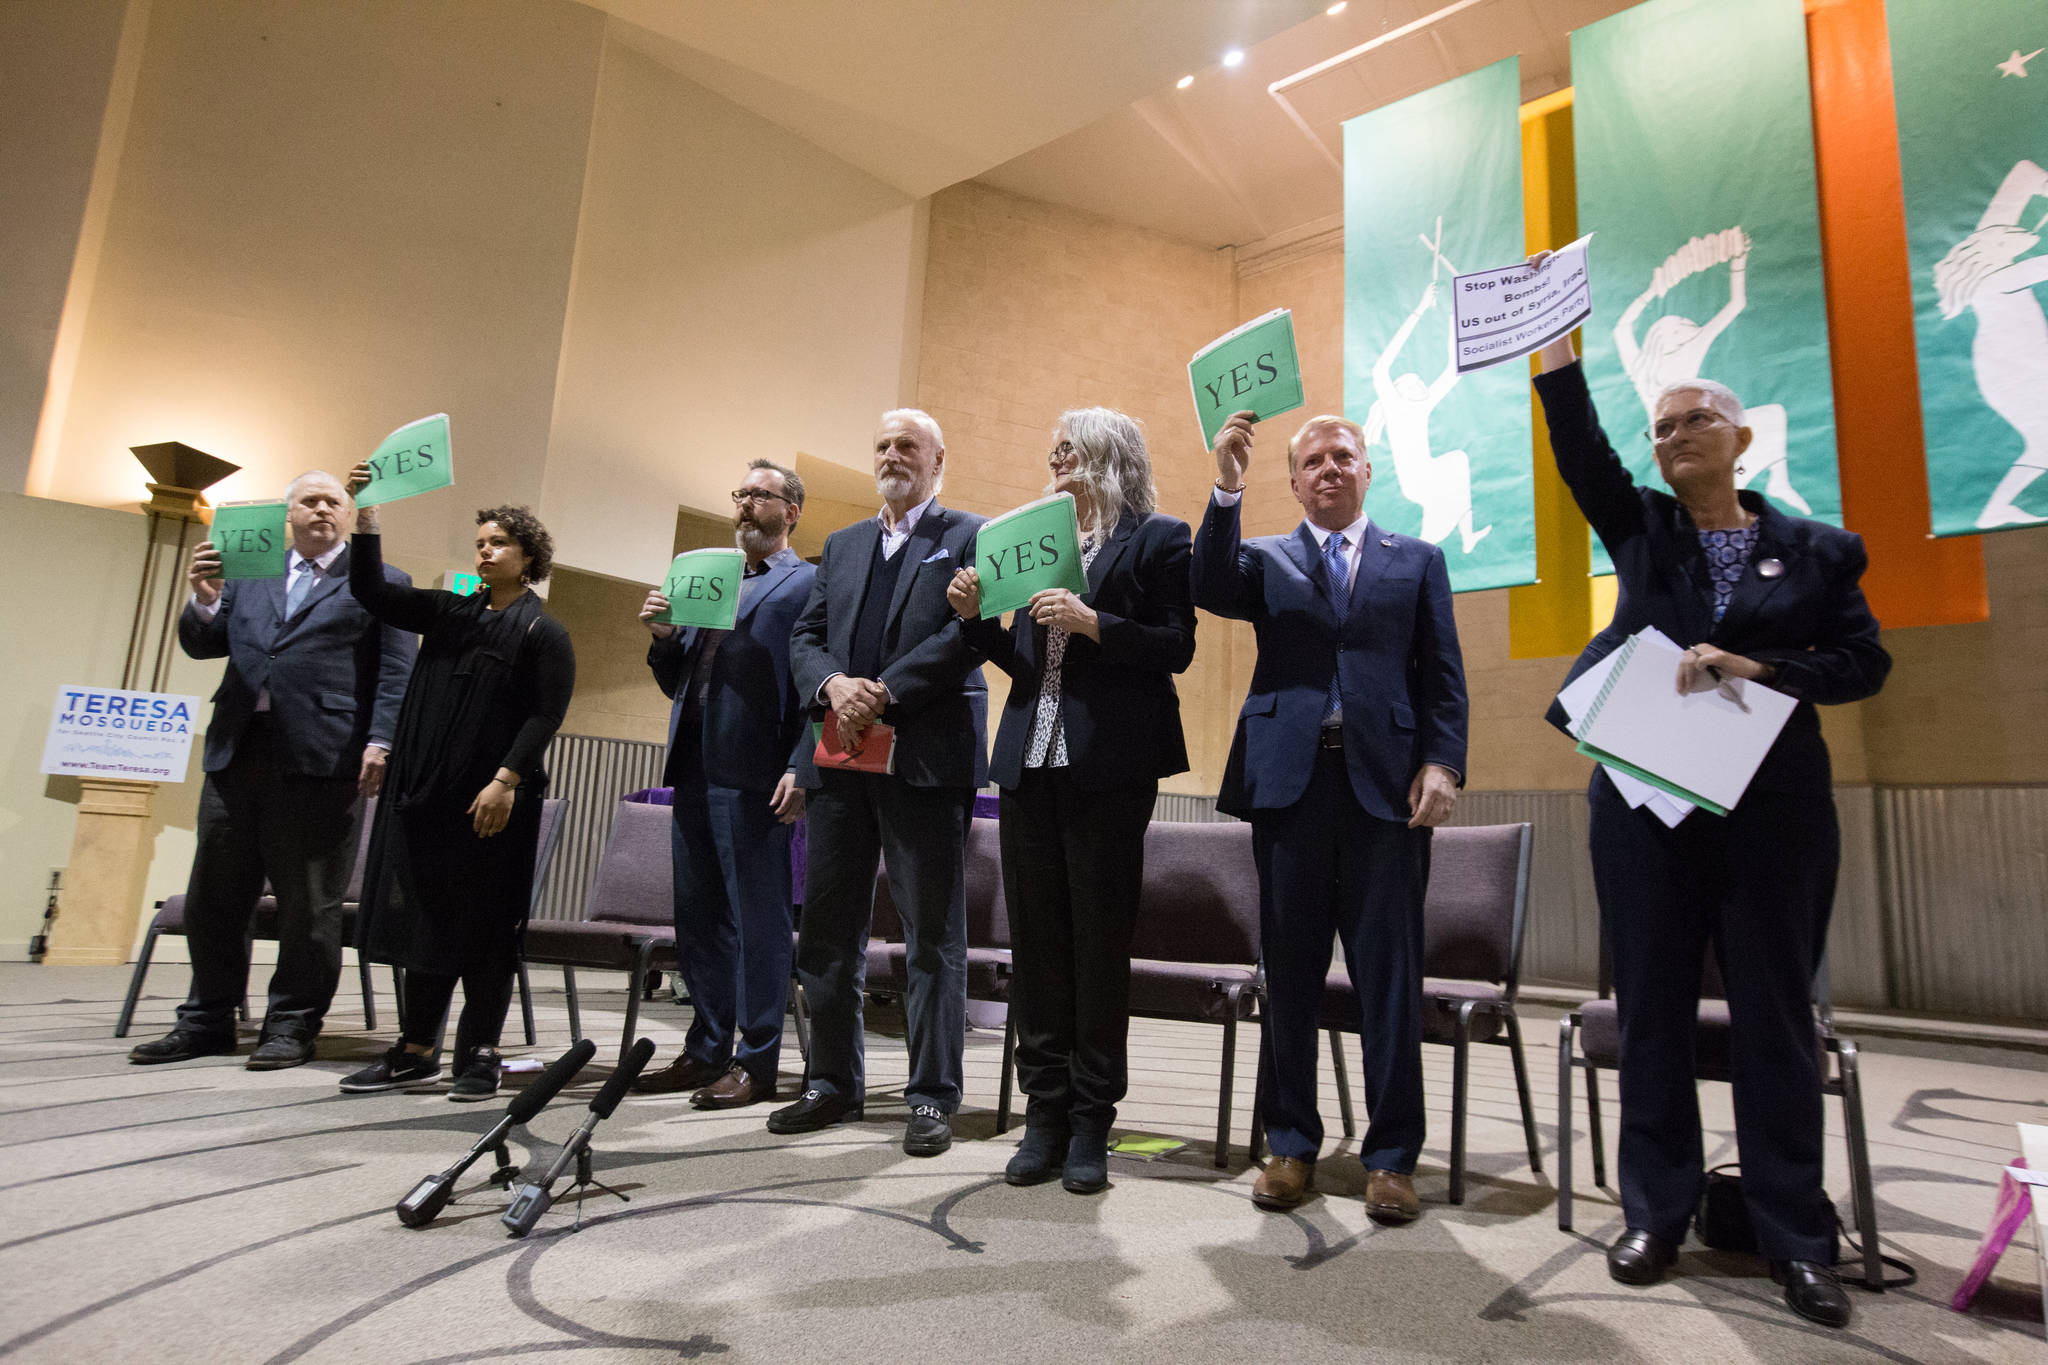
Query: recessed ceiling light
point(1234, 57)
point(1337, 8)
point(1184, 82)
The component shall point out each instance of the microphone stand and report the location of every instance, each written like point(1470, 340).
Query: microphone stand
point(537, 1197)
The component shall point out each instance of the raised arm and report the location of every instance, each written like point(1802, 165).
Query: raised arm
point(397, 650)
point(394, 603)
point(1600, 483)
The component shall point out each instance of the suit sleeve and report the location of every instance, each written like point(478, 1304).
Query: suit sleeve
point(810, 662)
point(1848, 663)
point(206, 637)
point(997, 643)
point(396, 651)
point(554, 675)
point(1162, 573)
point(666, 658)
point(1600, 484)
point(394, 603)
point(1223, 578)
point(1437, 681)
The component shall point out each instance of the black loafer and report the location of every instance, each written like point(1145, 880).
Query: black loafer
point(814, 1111)
point(279, 1051)
point(1087, 1169)
point(929, 1133)
point(1038, 1156)
point(1639, 1257)
point(182, 1045)
point(1813, 1291)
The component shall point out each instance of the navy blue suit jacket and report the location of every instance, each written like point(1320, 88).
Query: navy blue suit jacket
point(1394, 651)
point(1121, 713)
point(933, 673)
point(755, 726)
point(1809, 621)
point(336, 675)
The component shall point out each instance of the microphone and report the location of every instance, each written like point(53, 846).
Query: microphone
point(423, 1202)
point(538, 1197)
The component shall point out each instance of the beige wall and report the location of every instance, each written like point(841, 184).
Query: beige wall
point(615, 694)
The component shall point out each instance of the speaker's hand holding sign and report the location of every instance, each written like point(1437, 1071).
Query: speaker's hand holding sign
point(963, 594)
point(204, 575)
point(1233, 450)
point(412, 460)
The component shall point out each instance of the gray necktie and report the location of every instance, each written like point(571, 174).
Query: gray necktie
point(301, 585)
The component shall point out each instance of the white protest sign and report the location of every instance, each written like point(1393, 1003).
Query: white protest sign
point(108, 732)
point(1506, 313)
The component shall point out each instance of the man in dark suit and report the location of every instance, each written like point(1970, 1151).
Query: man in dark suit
point(738, 739)
point(879, 642)
point(302, 722)
point(1349, 750)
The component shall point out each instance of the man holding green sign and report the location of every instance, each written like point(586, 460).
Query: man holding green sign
point(1250, 369)
point(248, 538)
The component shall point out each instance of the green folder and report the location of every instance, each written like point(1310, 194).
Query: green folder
point(412, 460)
point(251, 539)
point(1253, 368)
point(703, 589)
point(1024, 552)
point(1146, 1148)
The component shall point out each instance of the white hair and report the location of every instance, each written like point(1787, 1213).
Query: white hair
point(918, 418)
point(1719, 397)
point(1114, 466)
point(291, 490)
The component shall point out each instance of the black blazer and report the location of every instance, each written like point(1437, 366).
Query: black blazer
point(1809, 622)
point(336, 676)
point(755, 728)
point(933, 673)
point(1121, 713)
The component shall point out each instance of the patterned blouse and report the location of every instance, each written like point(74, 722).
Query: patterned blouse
point(1048, 745)
point(1727, 555)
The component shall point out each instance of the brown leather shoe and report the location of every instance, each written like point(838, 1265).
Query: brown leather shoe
point(734, 1090)
point(1284, 1182)
point(684, 1073)
point(1390, 1197)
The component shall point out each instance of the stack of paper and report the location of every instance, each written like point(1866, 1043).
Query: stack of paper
point(1671, 751)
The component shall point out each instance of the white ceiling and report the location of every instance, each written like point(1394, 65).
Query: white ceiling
point(1220, 163)
point(922, 94)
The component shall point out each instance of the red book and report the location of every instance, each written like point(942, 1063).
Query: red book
point(873, 752)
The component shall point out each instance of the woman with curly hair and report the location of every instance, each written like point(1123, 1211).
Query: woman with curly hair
point(449, 873)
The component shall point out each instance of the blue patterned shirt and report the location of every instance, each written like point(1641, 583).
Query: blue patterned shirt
point(1727, 555)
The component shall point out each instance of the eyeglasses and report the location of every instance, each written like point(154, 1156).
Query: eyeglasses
point(1063, 456)
point(1693, 423)
point(740, 495)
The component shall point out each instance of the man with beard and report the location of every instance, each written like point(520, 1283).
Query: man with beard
point(879, 642)
point(738, 752)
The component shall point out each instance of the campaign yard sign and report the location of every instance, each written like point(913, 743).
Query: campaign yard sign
point(250, 538)
point(1022, 553)
point(109, 732)
point(412, 460)
point(703, 589)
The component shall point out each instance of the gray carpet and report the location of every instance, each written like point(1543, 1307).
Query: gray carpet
point(201, 1212)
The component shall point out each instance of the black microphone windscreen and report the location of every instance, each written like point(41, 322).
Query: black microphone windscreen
point(628, 1071)
point(560, 1072)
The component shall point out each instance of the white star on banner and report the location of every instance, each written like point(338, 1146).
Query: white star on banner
point(2016, 65)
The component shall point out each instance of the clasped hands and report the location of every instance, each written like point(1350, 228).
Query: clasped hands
point(856, 703)
point(1050, 608)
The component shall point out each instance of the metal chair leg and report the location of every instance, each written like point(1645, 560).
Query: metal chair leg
point(1009, 1067)
point(1460, 1062)
point(575, 1014)
point(1864, 1196)
point(642, 955)
point(1522, 1089)
point(135, 982)
point(1261, 1078)
point(1343, 1084)
point(1223, 1092)
point(398, 994)
point(1565, 1028)
point(1599, 1130)
point(369, 993)
point(802, 1011)
point(526, 1004)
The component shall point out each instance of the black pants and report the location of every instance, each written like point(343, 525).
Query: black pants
point(1073, 868)
point(486, 997)
point(258, 821)
point(1758, 885)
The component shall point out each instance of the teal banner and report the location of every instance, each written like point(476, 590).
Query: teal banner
point(1972, 87)
point(1699, 189)
point(1432, 188)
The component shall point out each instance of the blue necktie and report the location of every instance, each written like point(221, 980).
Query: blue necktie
point(301, 584)
point(1338, 583)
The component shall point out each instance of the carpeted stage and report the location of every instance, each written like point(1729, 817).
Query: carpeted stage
point(200, 1212)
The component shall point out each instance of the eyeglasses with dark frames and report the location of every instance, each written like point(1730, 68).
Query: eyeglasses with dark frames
point(740, 495)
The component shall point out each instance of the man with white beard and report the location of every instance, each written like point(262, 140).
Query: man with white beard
point(879, 642)
point(738, 758)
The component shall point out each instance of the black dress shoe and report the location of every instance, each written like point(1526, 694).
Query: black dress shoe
point(929, 1132)
point(182, 1045)
point(814, 1111)
point(279, 1051)
point(1639, 1257)
point(1038, 1157)
point(1087, 1168)
point(1813, 1291)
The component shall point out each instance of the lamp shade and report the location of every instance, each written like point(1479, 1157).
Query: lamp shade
point(177, 465)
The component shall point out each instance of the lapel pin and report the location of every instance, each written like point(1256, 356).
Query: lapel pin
point(1388, 544)
point(1770, 568)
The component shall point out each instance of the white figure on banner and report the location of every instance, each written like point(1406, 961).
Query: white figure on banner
point(1983, 273)
point(1675, 348)
point(1441, 485)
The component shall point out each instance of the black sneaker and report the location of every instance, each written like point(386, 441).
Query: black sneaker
point(929, 1133)
point(395, 1070)
point(182, 1045)
point(477, 1078)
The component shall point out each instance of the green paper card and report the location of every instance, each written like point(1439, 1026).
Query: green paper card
point(1252, 368)
point(464, 584)
point(1020, 553)
point(1146, 1148)
point(250, 537)
point(412, 460)
point(703, 589)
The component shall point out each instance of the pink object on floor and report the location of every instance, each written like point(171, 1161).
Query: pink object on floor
point(2015, 1201)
